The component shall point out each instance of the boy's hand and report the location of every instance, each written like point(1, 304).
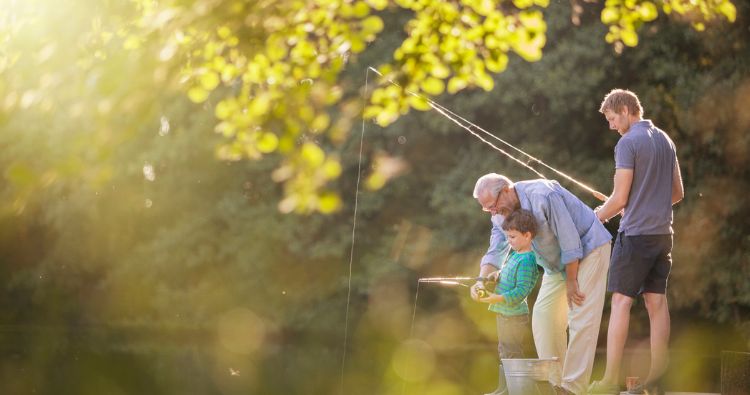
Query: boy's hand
point(492, 298)
point(475, 290)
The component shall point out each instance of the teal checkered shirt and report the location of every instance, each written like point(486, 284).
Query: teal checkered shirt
point(518, 277)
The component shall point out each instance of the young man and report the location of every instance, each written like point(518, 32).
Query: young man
point(515, 280)
point(647, 183)
point(573, 247)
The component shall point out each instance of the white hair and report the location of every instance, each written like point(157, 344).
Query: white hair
point(492, 183)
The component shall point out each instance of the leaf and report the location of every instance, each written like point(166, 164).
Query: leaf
point(728, 10)
point(312, 154)
point(372, 111)
point(485, 81)
point(438, 70)
point(361, 9)
point(331, 169)
point(497, 64)
point(372, 24)
point(629, 37)
point(197, 94)
point(329, 202)
point(523, 3)
point(609, 16)
point(378, 4)
point(456, 83)
point(267, 143)
point(386, 117)
point(419, 103)
point(375, 181)
point(432, 86)
point(648, 11)
point(223, 32)
point(320, 123)
point(223, 110)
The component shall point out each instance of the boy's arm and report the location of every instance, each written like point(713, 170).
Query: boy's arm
point(526, 277)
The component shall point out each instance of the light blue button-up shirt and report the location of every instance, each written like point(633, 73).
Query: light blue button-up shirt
point(567, 229)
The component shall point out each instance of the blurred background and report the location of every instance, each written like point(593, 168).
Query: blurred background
point(137, 257)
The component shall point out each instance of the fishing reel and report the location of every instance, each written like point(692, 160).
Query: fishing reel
point(488, 283)
point(487, 288)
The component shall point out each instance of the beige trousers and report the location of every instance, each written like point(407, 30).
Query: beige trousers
point(552, 316)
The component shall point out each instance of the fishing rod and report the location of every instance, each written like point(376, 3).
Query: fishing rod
point(488, 282)
point(469, 126)
point(462, 281)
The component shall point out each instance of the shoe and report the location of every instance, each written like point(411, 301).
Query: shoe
point(637, 390)
point(649, 388)
point(598, 387)
point(561, 391)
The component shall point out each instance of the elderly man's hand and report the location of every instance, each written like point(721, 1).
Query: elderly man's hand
point(575, 296)
point(494, 276)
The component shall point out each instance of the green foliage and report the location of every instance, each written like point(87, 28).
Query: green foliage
point(625, 17)
point(135, 262)
point(271, 73)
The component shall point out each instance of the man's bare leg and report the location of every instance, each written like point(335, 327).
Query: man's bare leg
point(658, 315)
point(617, 335)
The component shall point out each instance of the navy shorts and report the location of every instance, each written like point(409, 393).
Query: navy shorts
point(640, 264)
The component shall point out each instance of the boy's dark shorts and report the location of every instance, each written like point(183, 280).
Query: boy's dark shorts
point(640, 264)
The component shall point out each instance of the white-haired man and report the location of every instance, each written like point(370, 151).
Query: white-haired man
point(574, 249)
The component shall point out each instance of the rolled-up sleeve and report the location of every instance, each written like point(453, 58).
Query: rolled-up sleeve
point(497, 249)
point(562, 225)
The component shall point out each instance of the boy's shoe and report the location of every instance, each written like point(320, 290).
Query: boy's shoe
point(598, 387)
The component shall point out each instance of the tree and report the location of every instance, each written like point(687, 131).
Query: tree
point(129, 254)
point(271, 72)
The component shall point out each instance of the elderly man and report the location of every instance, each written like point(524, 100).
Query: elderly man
point(574, 248)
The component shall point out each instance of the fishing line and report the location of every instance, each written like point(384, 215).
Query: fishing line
point(532, 158)
point(411, 330)
point(466, 125)
point(354, 228)
point(452, 116)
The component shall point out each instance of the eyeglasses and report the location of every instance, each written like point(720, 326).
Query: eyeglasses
point(494, 205)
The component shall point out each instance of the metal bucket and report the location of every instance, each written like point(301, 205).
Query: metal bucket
point(531, 376)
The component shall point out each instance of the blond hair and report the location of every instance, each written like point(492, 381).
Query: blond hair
point(619, 98)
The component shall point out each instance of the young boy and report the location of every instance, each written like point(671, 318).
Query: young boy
point(516, 278)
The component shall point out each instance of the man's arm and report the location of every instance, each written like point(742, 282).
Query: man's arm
point(491, 260)
point(677, 190)
point(575, 296)
point(571, 247)
point(620, 195)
